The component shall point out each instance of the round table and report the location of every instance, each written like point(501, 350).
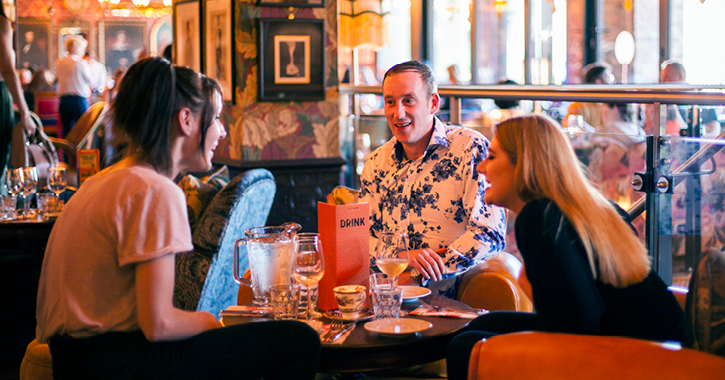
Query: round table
point(365, 351)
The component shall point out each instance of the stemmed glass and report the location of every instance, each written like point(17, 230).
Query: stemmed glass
point(57, 181)
point(14, 185)
point(391, 255)
point(14, 182)
point(30, 186)
point(309, 265)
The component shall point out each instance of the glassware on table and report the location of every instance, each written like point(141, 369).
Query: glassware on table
point(7, 206)
point(57, 180)
point(378, 281)
point(14, 183)
point(391, 255)
point(285, 300)
point(48, 205)
point(309, 266)
point(30, 186)
point(388, 302)
point(270, 251)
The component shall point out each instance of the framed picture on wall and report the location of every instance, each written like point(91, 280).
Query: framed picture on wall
point(187, 41)
point(291, 59)
point(34, 43)
point(121, 42)
point(219, 44)
point(161, 36)
point(292, 3)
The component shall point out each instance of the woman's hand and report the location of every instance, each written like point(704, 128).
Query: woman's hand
point(429, 263)
point(28, 124)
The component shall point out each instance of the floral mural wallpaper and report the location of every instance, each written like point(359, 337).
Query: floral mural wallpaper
point(280, 130)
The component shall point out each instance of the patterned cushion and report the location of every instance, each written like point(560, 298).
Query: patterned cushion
point(705, 307)
point(200, 191)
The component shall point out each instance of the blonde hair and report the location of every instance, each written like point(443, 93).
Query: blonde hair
point(546, 167)
point(75, 45)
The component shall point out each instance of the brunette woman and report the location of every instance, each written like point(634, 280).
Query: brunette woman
point(588, 271)
point(107, 281)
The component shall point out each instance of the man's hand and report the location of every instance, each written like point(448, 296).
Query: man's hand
point(429, 263)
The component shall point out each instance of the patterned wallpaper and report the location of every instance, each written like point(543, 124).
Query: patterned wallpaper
point(280, 130)
point(256, 130)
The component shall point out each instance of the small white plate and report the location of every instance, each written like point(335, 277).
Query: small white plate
point(414, 292)
point(398, 326)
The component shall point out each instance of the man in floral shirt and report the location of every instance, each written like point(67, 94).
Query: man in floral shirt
point(424, 182)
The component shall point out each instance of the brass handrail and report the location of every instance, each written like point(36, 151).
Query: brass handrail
point(663, 94)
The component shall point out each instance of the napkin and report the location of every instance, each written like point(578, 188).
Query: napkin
point(246, 311)
point(445, 313)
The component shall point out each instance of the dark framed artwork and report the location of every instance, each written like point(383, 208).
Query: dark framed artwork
point(187, 40)
point(292, 3)
point(291, 59)
point(34, 43)
point(121, 42)
point(161, 36)
point(219, 44)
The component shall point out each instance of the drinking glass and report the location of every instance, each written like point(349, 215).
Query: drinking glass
point(391, 255)
point(57, 180)
point(30, 186)
point(14, 184)
point(309, 265)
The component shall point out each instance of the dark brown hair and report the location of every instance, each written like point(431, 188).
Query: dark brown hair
point(151, 93)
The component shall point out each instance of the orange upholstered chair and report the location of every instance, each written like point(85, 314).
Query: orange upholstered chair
point(537, 355)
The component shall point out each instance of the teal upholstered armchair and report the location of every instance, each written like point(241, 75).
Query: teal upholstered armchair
point(204, 280)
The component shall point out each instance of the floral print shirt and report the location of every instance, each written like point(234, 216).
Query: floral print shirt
point(437, 199)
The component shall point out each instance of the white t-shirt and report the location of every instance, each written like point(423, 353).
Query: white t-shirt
point(121, 216)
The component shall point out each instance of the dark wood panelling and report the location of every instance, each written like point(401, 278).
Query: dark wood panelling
point(300, 185)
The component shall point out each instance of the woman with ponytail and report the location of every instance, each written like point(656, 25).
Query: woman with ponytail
point(107, 282)
point(588, 271)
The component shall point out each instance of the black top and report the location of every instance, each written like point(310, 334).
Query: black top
point(568, 298)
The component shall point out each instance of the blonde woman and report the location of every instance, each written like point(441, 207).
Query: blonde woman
point(588, 271)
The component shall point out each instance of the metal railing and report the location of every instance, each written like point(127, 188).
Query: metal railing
point(657, 95)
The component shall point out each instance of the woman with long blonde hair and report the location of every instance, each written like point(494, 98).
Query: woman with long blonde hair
point(588, 271)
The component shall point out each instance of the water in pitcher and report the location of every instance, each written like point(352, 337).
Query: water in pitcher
point(270, 262)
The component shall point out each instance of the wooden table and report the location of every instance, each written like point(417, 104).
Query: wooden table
point(365, 351)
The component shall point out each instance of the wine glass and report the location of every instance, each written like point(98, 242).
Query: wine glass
point(14, 184)
point(309, 265)
point(30, 186)
point(57, 181)
point(391, 255)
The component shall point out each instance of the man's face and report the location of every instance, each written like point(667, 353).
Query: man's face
point(671, 75)
point(409, 108)
point(29, 37)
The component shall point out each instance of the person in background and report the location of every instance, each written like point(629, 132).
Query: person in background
point(507, 108)
point(118, 321)
point(674, 72)
point(25, 75)
point(585, 269)
point(76, 78)
point(167, 52)
point(424, 182)
point(10, 92)
point(592, 113)
point(39, 83)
